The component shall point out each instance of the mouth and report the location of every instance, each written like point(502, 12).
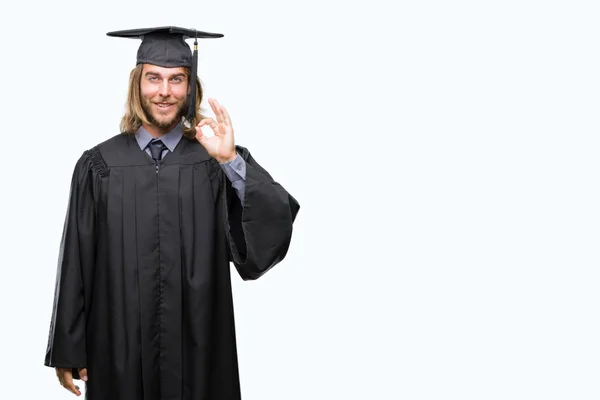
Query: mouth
point(164, 106)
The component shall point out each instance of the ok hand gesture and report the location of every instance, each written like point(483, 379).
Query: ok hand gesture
point(220, 146)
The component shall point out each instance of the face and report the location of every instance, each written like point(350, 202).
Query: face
point(164, 95)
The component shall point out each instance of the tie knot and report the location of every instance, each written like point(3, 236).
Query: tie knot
point(156, 148)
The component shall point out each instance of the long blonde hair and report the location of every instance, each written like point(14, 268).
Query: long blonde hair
point(135, 114)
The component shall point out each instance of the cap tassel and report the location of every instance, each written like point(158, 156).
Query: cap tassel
point(192, 97)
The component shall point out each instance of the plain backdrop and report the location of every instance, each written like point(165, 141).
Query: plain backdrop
point(445, 156)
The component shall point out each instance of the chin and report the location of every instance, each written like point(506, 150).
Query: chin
point(165, 120)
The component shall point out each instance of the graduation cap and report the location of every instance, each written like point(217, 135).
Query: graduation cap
point(165, 46)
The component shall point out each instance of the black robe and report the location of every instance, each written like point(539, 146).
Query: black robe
point(143, 289)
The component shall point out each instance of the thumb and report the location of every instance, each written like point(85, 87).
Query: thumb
point(83, 374)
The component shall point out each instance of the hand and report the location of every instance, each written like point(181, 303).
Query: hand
point(65, 377)
point(220, 146)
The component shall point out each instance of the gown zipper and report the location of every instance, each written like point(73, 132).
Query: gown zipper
point(160, 275)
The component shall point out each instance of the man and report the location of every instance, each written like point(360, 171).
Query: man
point(143, 305)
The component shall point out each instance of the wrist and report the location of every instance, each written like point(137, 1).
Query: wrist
point(227, 159)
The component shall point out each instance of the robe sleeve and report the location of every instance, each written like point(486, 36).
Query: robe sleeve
point(66, 342)
point(259, 228)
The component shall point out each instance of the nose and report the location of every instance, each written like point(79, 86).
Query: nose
point(164, 88)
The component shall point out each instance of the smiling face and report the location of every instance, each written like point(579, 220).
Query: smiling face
point(164, 94)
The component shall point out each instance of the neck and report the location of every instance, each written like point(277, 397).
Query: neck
point(156, 131)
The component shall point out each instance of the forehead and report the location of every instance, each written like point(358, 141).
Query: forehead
point(162, 71)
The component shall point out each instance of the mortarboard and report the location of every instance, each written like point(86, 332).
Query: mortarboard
point(166, 47)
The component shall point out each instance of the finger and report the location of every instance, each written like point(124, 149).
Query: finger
point(214, 104)
point(219, 111)
point(73, 389)
point(208, 121)
point(199, 133)
point(226, 118)
point(68, 383)
point(83, 374)
point(60, 375)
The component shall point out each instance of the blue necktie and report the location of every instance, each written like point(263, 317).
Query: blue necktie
point(156, 148)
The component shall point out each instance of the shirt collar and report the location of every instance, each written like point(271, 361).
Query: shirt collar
point(170, 139)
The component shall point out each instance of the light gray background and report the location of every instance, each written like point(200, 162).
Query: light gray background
point(445, 155)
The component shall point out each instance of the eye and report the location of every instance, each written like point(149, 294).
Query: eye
point(153, 78)
point(177, 79)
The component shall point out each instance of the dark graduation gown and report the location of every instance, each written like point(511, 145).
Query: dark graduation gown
point(143, 289)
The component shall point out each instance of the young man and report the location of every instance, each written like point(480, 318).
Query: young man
point(143, 305)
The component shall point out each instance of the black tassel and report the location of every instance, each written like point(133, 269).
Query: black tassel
point(192, 97)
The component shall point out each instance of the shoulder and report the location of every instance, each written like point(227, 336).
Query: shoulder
point(116, 150)
point(113, 143)
point(93, 160)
